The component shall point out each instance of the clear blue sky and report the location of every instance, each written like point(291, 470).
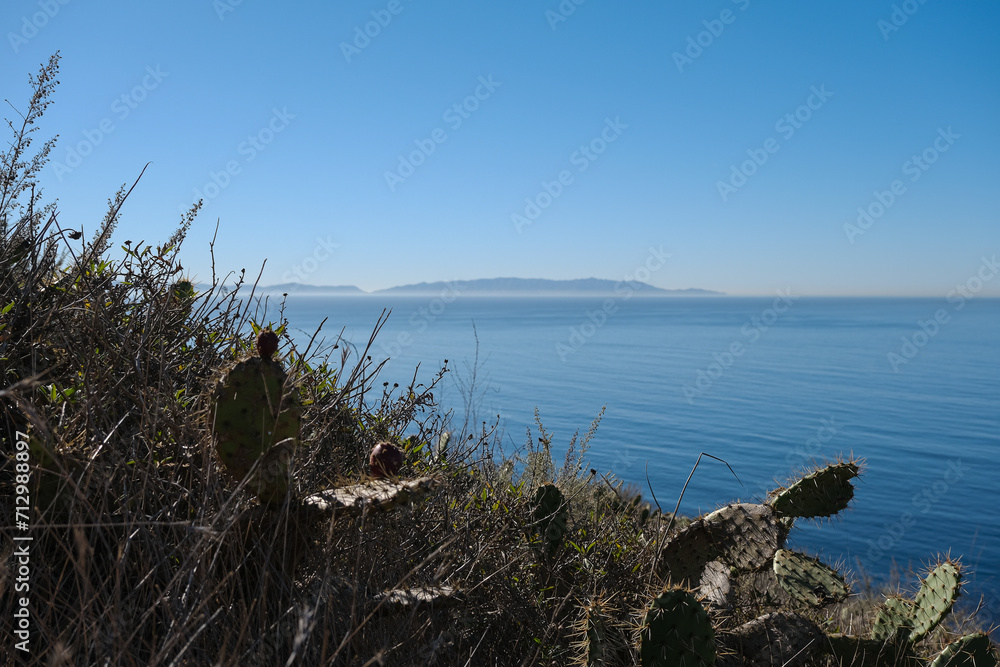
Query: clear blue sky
point(833, 100)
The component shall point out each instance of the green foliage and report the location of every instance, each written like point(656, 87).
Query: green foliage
point(676, 630)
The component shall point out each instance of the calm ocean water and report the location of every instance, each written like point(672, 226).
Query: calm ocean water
point(768, 384)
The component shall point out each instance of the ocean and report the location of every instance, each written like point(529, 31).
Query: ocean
point(770, 385)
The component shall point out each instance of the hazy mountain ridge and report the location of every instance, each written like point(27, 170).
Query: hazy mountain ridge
point(496, 286)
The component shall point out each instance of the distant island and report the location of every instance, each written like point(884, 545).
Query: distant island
point(498, 287)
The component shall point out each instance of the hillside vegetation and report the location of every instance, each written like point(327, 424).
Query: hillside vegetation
point(194, 496)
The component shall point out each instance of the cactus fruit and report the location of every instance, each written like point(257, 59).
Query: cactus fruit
point(821, 493)
point(676, 630)
point(807, 579)
point(969, 651)
point(256, 419)
point(938, 592)
point(894, 618)
point(380, 495)
point(550, 514)
point(267, 344)
point(600, 640)
point(779, 638)
point(385, 460)
point(743, 535)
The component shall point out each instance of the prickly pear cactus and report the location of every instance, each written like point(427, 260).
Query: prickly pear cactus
point(807, 579)
point(969, 651)
point(937, 594)
point(742, 535)
point(256, 421)
point(823, 492)
point(600, 642)
point(380, 495)
point(894, 618)
point(550, 514)
point(676, 630)
point(779, 638)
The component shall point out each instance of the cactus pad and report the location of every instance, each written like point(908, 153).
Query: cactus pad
point(676, 630)
point(743, 535)
point(600, 640)
point(821, 493)
point(780, 638)
point(256, 418)
point(893, 618)
point(937, 594)
point(807, 579)
point(969, 651)
point(379, 495)
point(550, 514)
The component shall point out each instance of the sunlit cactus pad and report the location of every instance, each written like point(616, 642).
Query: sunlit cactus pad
point(377, 494)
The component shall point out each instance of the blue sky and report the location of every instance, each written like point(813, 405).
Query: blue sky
point(535, 139)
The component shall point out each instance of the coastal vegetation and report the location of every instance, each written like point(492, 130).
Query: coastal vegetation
point(199, 488)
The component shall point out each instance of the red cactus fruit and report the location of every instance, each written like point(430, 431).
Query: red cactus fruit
point(385, 460)
point(267, 343)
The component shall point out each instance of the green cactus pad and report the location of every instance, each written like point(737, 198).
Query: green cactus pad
point(551, 515)
point(256, 416)
point(743, 535)
point(821, 493)
point(937, 594)
point(600, 640)
point(969, 651)
point(676, 630)
point(807, 579)
point(894, 618)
